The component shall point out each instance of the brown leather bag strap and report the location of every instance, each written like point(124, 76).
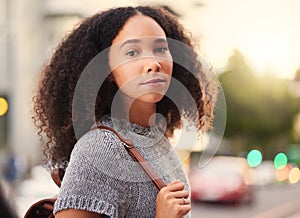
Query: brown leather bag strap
point(57, 176)
point(136, 155)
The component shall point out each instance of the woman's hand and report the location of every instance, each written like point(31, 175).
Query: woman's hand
point(172, 201)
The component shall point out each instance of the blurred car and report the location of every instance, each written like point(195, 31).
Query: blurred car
point(264, 174)
point(224, 179)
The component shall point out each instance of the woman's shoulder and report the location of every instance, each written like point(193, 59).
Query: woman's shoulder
point(104, 152)
point(96, 135)
point(99, 142)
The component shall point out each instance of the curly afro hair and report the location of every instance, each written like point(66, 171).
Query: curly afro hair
point(54, 97)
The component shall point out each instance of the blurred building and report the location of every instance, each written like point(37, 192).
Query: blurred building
point(29, 29)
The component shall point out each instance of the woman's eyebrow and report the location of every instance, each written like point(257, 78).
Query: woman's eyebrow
point(158, 40)
point(130, 41)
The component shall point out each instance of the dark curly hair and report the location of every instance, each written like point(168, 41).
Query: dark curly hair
point(53, 101)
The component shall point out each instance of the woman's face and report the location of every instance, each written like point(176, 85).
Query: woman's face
point(140, 60)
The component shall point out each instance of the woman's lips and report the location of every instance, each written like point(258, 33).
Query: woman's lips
point(156, 81)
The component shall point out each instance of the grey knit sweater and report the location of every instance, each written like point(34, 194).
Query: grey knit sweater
point(102, 177)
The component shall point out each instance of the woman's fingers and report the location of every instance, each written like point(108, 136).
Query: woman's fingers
point(183, 201)
point(184, 209)
point(175, 189)
point(173, 201)
point(175, 186)
point(181, 194)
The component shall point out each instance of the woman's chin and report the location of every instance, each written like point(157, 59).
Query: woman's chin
point(150, 97)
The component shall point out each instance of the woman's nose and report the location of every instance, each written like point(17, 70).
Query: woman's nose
point(152, 67)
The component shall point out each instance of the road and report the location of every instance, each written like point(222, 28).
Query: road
point(272, 201)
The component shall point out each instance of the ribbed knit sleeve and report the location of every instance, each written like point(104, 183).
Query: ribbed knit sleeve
point(95, 179)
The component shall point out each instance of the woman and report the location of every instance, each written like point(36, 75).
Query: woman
point(101, 179)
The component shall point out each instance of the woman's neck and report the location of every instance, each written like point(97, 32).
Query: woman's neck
point(141, 113)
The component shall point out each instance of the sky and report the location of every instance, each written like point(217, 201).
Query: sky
point(267, 32)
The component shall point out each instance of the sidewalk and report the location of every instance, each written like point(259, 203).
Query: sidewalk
point(288, 210)
point(294, 215)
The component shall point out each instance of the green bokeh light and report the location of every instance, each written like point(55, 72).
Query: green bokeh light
point(254, 158)
point(280, 160)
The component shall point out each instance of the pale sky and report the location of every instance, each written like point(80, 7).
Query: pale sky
point(267, 32)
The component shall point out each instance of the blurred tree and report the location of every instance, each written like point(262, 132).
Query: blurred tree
point(260, 110)
point(297, 75)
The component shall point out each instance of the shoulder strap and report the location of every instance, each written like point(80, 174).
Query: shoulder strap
point(58, 174)
point(137, 156)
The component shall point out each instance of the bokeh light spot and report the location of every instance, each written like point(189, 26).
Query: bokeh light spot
point(282, 174)
point(280, 160)
point(254, 158)
point(3, 106)
point(294, 175)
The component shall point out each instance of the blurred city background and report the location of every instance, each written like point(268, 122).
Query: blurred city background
point(254, 48)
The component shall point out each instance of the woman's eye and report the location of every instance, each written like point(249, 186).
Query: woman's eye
point(132, 53)
point(161, 50)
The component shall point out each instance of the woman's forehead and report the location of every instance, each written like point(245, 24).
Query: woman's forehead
point(139, 26)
